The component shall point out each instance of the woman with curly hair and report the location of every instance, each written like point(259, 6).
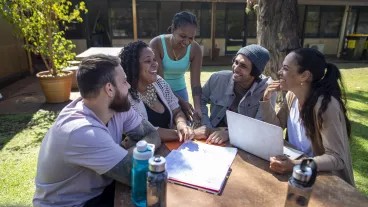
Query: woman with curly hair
point(176, 53)
point(150, 95)
point(314, 113)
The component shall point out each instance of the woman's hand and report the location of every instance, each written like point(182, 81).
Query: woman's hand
point(188, 110)
point(281, 164)
point(218, 137)
point(273, 87)
point(197, 118)
point(184, 131)
point(202, 132)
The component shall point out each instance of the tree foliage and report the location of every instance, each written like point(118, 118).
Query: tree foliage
point(43, 23)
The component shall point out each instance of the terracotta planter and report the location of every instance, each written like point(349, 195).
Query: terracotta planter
point(74, 70)
point(56, 89)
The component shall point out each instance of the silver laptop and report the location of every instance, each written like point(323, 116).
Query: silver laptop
point(256, 137)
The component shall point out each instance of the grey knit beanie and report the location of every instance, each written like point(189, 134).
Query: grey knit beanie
point(258, 55)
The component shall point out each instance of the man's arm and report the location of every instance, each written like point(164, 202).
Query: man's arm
point(121, 172)
point(145, 131)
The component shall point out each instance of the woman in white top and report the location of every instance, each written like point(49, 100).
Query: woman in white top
point(150, 95)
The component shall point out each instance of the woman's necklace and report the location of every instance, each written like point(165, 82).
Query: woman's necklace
point(176, 57)
point(150, 97)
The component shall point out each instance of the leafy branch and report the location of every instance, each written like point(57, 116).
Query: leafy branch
point(43, 23)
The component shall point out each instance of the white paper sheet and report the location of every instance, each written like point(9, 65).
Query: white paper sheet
point(200, 164)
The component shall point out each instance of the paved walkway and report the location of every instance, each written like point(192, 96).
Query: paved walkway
point(26, 96)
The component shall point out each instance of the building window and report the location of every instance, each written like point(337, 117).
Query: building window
point(331, 18)
point(121, 18)
point(202, 11)
point(312, 21)
point(220, 20)
point(362, 26)
point(147, 16)
point(167, 12)
point(323, 21)
point(252, 24)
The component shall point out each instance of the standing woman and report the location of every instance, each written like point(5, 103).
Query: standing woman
point(175, 53)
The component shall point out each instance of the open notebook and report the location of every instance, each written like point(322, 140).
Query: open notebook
point(200, 166)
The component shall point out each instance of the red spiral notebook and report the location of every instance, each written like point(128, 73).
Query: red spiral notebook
point(200, 166)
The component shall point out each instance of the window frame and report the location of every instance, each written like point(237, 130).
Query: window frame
point(158, 8)
point(319, 34)
point(110, 23)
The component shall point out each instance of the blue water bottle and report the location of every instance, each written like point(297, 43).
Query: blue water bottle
point(141, 154)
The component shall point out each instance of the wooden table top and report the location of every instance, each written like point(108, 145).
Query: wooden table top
point(114, 51)
point(252, 183)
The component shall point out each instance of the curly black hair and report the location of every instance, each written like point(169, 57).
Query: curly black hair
point(129, 56)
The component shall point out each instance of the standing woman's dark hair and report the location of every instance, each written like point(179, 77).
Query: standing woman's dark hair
point(326, 82)
point(182, 19)
point(129, 56)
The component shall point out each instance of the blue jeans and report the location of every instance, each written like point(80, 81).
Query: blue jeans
point(183, 93)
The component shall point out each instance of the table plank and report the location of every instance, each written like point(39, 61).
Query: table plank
point(252, 183)
point(114, 51)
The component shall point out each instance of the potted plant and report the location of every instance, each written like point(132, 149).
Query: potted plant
point(43, 24)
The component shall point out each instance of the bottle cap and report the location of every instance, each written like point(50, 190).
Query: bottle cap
point(142, 151)
point(141, 146)
point(306, 172)
point(157, 164)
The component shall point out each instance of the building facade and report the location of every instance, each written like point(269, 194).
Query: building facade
point(111, 23)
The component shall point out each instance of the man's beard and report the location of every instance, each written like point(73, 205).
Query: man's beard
point(120, 103)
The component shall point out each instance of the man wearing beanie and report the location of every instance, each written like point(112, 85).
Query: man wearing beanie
point(239, 90)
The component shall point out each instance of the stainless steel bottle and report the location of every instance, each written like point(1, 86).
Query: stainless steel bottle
point(301, 183)
point(156, 182)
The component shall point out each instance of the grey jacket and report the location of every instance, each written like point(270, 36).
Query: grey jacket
point(218, 92)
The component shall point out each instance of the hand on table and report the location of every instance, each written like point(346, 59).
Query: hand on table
point(218, 137)
point(281, 164)
point(184, 131)
point(202, 132)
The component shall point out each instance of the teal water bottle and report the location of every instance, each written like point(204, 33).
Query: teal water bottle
point(141, 154)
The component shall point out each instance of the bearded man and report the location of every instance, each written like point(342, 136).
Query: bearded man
point(80, 157)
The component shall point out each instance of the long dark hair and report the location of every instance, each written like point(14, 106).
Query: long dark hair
point(326, 82)
point(182, 19)
point(129, 56)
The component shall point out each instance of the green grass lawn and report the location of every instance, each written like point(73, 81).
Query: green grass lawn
point(21, 135)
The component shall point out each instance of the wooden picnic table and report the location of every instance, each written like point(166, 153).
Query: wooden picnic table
point(252, 183)
point(114, 51)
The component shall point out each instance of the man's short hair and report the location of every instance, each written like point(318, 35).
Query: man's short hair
point(94, 72)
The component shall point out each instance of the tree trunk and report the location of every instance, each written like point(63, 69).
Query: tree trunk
point(277, 30)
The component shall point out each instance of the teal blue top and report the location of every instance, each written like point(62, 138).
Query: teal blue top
point(174, 70)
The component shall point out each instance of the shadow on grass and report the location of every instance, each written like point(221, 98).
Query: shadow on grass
point(12, 125)
point(351, 65)
point(358, 151)
point(37, 125)
point(357, 96)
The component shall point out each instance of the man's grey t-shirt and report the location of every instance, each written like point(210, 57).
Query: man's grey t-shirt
point(75, 153)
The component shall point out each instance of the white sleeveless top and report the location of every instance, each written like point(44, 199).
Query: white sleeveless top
point(296, 131)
